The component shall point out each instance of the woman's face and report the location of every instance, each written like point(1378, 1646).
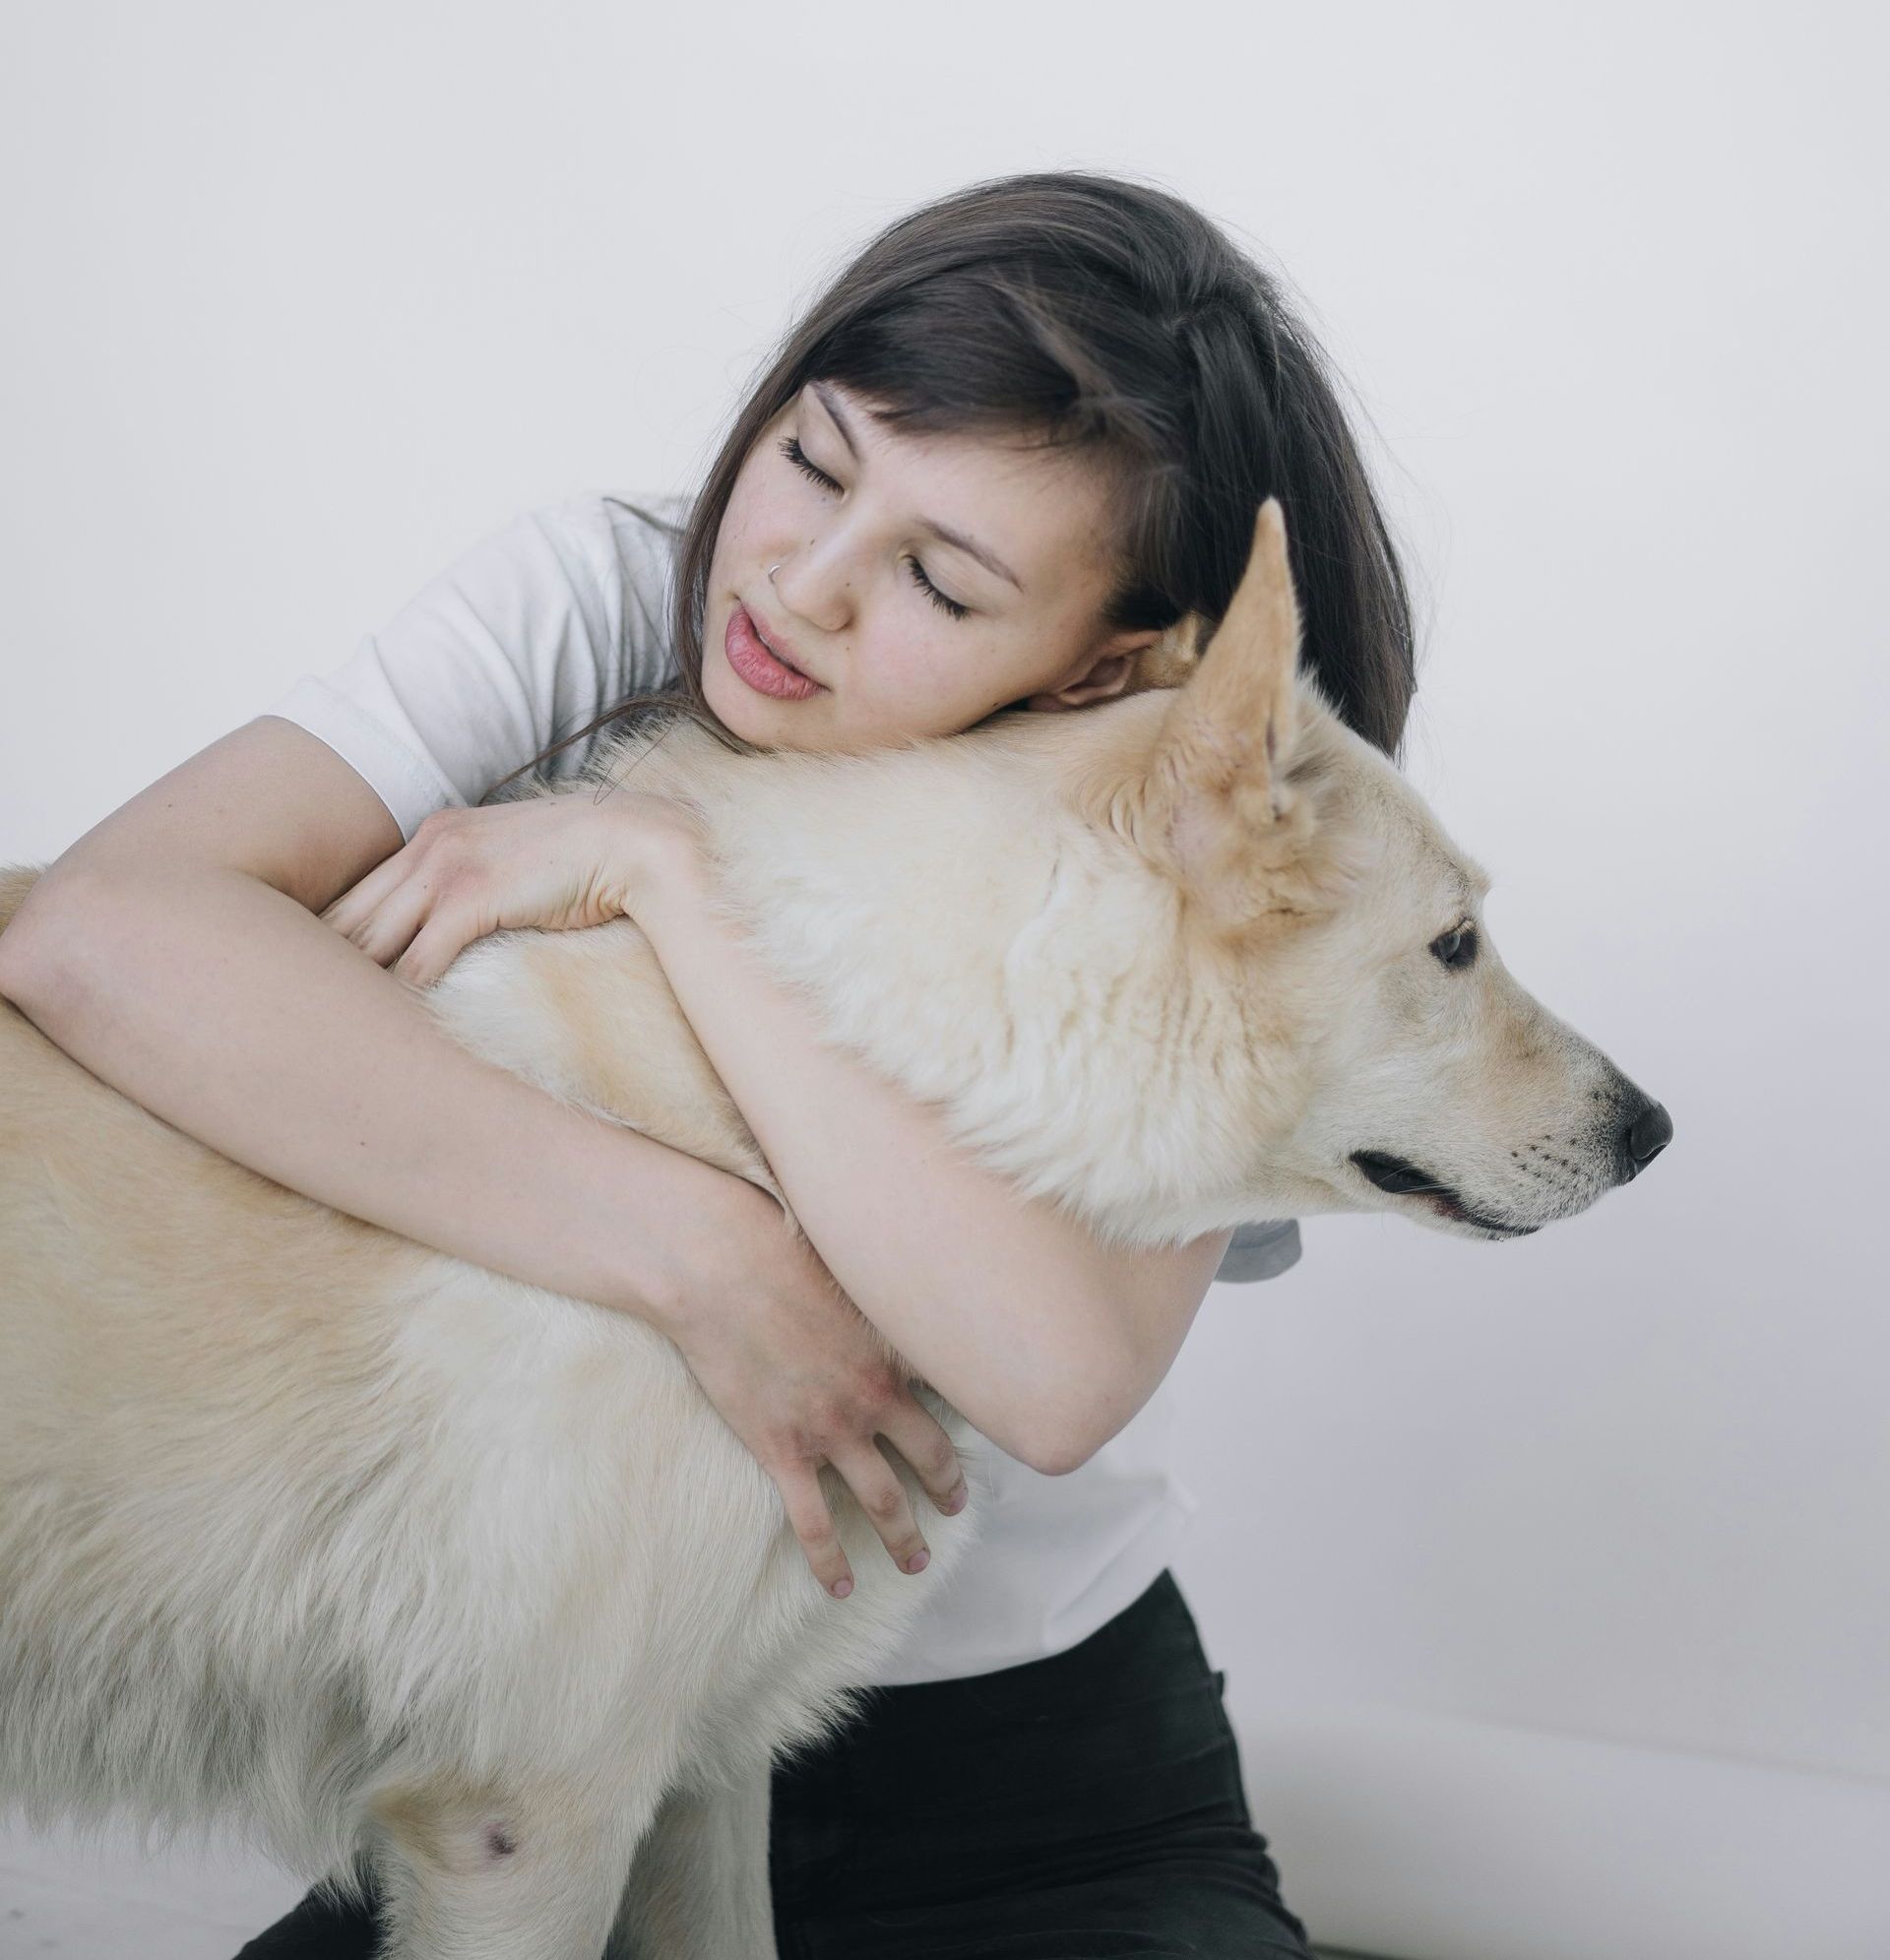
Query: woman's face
point(855, 523)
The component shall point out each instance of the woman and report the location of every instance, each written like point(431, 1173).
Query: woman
point(1024, 432)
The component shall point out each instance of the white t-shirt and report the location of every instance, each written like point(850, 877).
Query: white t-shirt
point(530, 636)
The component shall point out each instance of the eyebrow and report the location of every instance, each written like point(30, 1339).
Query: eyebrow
point(942, 531)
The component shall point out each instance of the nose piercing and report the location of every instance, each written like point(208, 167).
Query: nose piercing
point(774, 568)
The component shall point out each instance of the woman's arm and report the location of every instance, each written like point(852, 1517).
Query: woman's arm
point(172, 951)
point(999, 1301)
point(1047, 1341)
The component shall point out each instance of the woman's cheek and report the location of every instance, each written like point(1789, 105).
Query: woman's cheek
point(918, 684)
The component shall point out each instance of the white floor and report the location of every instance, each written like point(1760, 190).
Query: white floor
point(112, 1904)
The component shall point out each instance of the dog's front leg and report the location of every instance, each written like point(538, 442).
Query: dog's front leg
point(698, 1890)
point(502, 1872)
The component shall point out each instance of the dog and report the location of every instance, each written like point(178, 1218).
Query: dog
point(433, 1577)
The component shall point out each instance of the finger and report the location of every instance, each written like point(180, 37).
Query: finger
point(813, 1524)
point(920, 1439)
point(882, 1496)
point(442, 939)
point(391, 928)
point(361, 901)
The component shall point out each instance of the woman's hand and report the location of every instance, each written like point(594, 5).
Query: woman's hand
point(803, 1378)
point(557, 861)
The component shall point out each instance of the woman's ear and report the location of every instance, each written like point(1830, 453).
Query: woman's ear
point(1168, 659)
point(1125, 663)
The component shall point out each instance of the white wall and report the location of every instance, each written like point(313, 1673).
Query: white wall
point(1549, 1577)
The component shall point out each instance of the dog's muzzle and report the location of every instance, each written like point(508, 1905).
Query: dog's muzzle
point(1642, 1130)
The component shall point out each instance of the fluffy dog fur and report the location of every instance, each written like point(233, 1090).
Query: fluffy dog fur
point(402, 1562)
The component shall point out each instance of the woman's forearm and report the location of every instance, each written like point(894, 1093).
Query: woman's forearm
point(232, 1012)
point(1008, 1306)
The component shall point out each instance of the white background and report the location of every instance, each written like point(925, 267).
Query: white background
point(1549, 1578)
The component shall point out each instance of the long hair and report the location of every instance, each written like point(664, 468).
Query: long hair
point(1110, 317)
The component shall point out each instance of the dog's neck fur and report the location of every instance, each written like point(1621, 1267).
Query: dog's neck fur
point(861, 879)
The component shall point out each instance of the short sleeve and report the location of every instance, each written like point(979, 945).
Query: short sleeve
point(525, 638)
point(1260, 1252)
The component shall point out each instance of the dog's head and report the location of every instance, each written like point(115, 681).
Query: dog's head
point(1394, 1061)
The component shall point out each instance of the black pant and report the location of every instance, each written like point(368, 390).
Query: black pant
point(1084, 1808)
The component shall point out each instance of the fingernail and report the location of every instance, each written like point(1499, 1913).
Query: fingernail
point(842, 1587)
point(919, 1562)
point(956, 1500)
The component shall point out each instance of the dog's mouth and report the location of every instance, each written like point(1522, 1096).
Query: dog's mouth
point(1405, 1179)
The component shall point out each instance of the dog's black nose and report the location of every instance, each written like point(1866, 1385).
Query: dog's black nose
point(1648, 1131)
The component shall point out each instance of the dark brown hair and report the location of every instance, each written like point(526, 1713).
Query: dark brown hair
point(1107, 315)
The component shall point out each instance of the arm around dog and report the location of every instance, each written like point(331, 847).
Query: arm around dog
point(172, 950)
point(1046, 1339)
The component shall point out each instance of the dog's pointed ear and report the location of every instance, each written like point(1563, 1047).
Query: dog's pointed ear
point(1212, 806)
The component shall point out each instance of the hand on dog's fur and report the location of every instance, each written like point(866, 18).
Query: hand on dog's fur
point(804, 1379)
point(555, 862)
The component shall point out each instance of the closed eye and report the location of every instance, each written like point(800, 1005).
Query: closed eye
point(798, 457)
point(791, 448)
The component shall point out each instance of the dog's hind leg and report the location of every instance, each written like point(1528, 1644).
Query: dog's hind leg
point(698, 1888)
point(499, 1872)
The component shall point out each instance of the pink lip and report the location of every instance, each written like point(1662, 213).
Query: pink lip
point(755, 661)
point(777, 643)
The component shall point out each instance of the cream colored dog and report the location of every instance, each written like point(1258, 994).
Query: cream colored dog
point(400, 1562)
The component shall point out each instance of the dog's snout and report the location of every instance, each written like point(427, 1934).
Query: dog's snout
point(1645, 1131)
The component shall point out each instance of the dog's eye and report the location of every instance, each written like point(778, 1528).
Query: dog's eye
point(1457, 947)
